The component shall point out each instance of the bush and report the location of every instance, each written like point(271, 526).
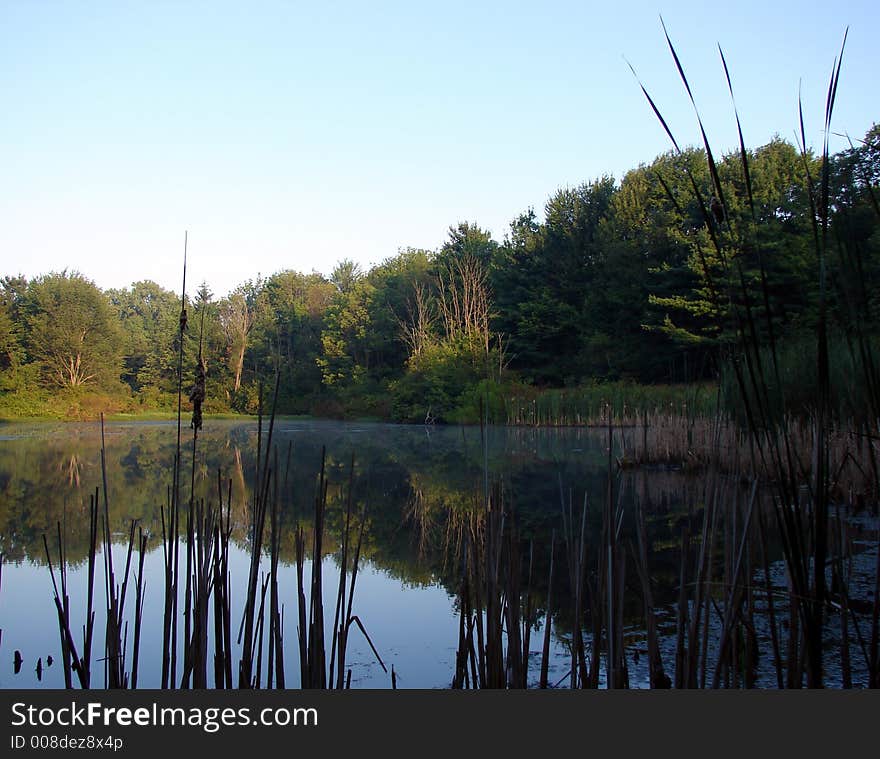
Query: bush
point(487, 396)
point(434, 381)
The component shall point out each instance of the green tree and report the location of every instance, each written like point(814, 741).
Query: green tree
point(397, 280)
point(545, 277)
point(855, 270)
point(755, 259)
point(150, 318)
point(447, 330)
point(296, 305)
point(205, 327)
point(345, 275)
point(650, 254)
point(346, 338)
point(12, 292)
point(72, 331)
point(363, 337)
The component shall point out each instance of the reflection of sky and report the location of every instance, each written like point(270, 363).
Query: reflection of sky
point(414, 628)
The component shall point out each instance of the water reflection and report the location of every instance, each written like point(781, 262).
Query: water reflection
point(411, 476)
point(425, 487)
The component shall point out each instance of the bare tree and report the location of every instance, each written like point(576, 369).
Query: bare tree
point(237, 318)
point(418, 327)
point(465, 301)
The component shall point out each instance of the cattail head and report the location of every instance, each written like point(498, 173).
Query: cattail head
point(717, 209)
point(197, 395)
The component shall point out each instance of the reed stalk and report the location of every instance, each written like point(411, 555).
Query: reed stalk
point(771, 606)
point(548, 619)
point(656, 674)
point(576, 547)
point(874, 666)
point(263, 480)
point(802, 522)
point(170, 530)
point(339, 631)
point(72, 662)
point(735, 590)
point(140, 588)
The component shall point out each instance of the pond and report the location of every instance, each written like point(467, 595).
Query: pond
point(418, 485)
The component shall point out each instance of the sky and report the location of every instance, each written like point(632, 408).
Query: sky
point(292, 135)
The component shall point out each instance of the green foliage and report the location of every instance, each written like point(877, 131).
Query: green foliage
point(551, 282)
point(71, 332)
point(297, 305)
point(486, 400)
point(347, 337)
point(149, 316)
point(434, 383)
point(728, 275)
point(11, 350)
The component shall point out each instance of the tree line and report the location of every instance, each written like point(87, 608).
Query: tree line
point(618, 281)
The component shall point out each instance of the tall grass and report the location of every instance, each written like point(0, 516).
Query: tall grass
point(802, 517)
point(591, 405)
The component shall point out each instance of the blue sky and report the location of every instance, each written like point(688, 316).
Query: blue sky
point(293, 135)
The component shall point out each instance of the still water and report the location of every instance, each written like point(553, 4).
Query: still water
point(416, 481)
point(411, 477)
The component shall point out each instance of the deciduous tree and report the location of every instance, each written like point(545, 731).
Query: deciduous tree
point(72, 331)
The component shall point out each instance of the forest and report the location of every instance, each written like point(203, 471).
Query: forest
point(620, 284)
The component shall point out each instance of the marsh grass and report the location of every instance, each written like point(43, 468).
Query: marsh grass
point(625, 403)
point(700, 444)
point(797, 460)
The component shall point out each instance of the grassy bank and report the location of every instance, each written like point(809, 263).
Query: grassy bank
point(32, 401)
